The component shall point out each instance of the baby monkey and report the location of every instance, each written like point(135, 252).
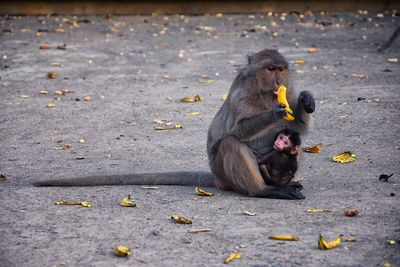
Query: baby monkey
point(279, 166)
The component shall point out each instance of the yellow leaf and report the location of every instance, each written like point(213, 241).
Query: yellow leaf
point(127, 202)
point(74, 203)
point(181, 220)
point(314, 149)
point(233, 256)
point(344, 157)
point(122, 251)
point(285, 237)
point(206, 81)
point(51, 105)
point(317, 210)
point(201, 192)
point(194, 113)
point(323, 244)
point(172, 127)
point(299, 62)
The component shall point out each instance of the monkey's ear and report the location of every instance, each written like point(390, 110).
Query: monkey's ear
point(249, 56)
point(295, 150)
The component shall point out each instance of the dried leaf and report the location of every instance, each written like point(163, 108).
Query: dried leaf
point(391, 242)
point(312, 50)
point(345, 157)
point(299, 62)
point(51, 105)
point(248, 213)
point(233, 256)
point(349, 239)
point(351, 213)
point(194, 113)
point(285, 237)
point(45, 46)
point(87, 98)
point(127, 202)
point(122, 251)
point(43, 92)
point(3, 176)
point(323, 244)
point(64, 147)
point(52, 75)
point(186, 99)
point(317, 210)
point(74, 203)
point(201, 192)
point(59, 93)
point(199, 230)
point(62, 46)
point(314, 149)
point(181, 220)
point(172, 127)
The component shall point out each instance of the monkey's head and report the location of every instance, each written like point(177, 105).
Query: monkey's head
point(288, 141)
point(272, 70)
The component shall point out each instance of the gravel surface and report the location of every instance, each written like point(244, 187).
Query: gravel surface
point(136, 68)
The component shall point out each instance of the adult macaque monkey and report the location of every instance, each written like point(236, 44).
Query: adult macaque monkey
point(248, 119)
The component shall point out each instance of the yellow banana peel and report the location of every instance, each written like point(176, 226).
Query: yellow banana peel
point(201, 192)
point(285, 237)
point(233, 256)
point(323, 244)
point(181, 220)
point(127, 202)
point(282, 100)
point(122, 251)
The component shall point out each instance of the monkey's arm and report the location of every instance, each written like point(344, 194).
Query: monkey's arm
point(247, 125)
point(305, 105)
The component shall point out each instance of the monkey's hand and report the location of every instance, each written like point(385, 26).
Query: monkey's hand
point(307, 100)
point(280, 111)
point(281, 193)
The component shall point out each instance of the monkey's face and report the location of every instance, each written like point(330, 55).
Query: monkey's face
point(275, 75)
point(282, 143)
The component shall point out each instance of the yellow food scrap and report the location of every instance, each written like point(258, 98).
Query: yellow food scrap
point(313, 149)
point(299, 62)
point(127, 202)
point(194, 113)
point(344, 157)
point(51, 105)
point(323, 244)
point(171, 127)
point(233, 256)
point(186, 99)
point(285, 237)
point(181, 220)
point(317, 210)
point(282, 100)
point(122, 251)
point(201, 192)
point(74, 203)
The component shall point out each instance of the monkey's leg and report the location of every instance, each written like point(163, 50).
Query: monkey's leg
point(236, 164)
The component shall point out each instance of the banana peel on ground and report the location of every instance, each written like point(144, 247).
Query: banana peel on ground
point(285, 237)
point(324, 245)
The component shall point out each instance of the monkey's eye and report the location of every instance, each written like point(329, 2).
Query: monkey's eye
point(271, 68)
point(282, 69)
point(286, 143)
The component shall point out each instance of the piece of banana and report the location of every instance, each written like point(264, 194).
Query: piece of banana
point(282, 100)
point(127, 202)
point(122, 251)
point(285, 237)
point(323, 244)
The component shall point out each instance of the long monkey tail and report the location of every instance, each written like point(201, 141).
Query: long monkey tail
point(162, 178)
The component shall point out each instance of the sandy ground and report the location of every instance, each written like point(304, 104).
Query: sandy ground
point(136, 68)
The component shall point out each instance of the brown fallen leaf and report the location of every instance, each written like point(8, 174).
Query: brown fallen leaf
point(64, 147)
point(313, 149)
point(351, 213)
point(74, 203)
point(52, 75)
point(199, 230)
point(3, 176)
point(201, 192)
point(44, 46)
point(233, 256)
